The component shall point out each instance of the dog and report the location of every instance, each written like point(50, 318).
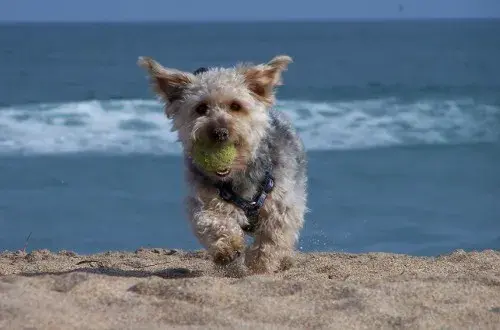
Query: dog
point(264, 192)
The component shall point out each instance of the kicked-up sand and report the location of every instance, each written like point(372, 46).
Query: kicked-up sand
point(170, 289)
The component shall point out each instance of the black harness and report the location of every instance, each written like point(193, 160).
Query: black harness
point(250, 207)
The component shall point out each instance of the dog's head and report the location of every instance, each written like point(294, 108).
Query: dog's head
point(221, 104)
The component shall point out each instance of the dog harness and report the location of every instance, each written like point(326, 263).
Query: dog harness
point(251, 208)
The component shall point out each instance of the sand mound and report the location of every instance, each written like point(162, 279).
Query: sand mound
point(160, 289)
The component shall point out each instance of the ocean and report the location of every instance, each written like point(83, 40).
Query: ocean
point(401, 121)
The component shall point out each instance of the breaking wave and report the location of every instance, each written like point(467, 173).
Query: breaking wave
point(139, 126)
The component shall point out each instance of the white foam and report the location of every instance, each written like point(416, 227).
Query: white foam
point(128, 126)
point(386, 122)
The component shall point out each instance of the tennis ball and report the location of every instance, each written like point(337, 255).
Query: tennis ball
point(213, 157)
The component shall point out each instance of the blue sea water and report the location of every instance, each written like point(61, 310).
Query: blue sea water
point(401, 121)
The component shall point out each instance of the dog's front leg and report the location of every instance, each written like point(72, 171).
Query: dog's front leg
point(216, 230)
point(275, 238)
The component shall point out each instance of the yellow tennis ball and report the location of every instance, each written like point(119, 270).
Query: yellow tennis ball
point(213, 157)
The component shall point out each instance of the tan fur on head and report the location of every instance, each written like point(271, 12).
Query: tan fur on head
point(281, 62)
point(169, 84)
point(252, 86)
point(263, 78)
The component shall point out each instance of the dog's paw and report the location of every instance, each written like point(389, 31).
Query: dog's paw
point(258, 266)
point(286, 263)
point(258, 263)
point(227, 250)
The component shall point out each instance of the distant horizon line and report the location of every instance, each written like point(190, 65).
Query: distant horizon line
point(277, 20)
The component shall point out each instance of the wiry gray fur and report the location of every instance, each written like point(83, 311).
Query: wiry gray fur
point(265, 140)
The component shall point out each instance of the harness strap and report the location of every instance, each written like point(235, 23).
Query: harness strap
point(251, 208)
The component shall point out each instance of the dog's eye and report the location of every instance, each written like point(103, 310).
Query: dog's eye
point(202, 108)
point(235, 106)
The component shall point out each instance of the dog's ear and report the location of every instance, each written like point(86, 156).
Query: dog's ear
point(263, 78)
point(277, 65)
point(169, 84)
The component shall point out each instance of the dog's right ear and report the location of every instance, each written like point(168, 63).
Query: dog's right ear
point(169, 84)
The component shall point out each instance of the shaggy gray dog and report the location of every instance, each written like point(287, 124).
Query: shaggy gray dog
point(263, 193)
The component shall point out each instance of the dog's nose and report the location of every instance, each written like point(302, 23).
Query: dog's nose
point(220, 134)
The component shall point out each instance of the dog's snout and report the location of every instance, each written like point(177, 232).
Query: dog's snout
point(220, 134)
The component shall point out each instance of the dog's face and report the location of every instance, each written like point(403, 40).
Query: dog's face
point(219, 105)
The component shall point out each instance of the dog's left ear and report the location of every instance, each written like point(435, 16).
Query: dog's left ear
point(275, 67)
point(263, 78)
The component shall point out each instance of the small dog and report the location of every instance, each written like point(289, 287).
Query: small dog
point(264, 192)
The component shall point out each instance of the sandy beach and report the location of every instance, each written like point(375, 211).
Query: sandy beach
point(171, 289)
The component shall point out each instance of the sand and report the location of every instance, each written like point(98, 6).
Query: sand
point(170, 289)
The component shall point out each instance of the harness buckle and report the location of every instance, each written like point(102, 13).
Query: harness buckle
point(252, 210)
